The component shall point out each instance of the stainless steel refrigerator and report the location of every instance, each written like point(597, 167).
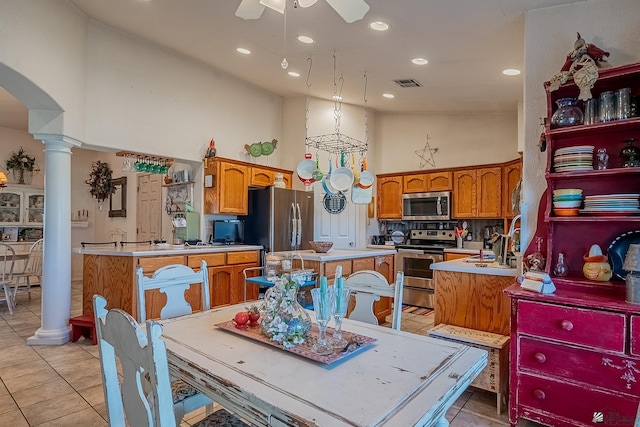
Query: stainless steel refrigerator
point(279, 219)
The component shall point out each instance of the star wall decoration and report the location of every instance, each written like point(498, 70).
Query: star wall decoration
point(426, 155)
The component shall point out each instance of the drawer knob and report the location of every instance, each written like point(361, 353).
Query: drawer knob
point(539, 394)
point(540, 357)
point(566, 325)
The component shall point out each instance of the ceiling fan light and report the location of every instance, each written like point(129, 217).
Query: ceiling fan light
point(277, 5)
point(306, 3)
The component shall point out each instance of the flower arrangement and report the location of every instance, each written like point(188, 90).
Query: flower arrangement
point(100, 181)
point(20, 162)
point(284, 320)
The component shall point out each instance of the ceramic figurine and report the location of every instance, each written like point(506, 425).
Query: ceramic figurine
point(596, 266)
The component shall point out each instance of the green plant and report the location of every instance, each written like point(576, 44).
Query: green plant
point(100, 181)
point(21, 161)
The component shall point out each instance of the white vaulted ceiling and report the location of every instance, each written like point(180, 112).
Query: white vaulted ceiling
point(467, 43)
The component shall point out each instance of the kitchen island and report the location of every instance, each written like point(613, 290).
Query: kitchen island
point(352, 260)
point(111, 272)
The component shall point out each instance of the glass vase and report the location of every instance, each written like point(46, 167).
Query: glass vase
point(567, 114)
point(283, 319)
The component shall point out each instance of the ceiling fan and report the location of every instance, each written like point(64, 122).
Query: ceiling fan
point(349, 10)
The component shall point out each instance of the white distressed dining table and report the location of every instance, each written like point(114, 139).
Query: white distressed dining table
point(403, 379)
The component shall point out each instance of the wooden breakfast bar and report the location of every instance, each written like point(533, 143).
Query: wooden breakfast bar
point(111, 272)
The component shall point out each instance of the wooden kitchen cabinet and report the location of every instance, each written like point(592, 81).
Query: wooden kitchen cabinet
point(477, 193)
point(260, 177)
point(427, 182)
point(228, 191)
point(511, 175)
point(389, 197)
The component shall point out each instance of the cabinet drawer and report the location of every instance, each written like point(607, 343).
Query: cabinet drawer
point(360, 264)
point(212, 260)
point(242, 257)
point(592, 328)
point(574, 363)
point(635, 335)
point(149, 265)
point(330, 268)
point(575, 403)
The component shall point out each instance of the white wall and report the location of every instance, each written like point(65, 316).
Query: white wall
point(461, 140)
point(550, 33)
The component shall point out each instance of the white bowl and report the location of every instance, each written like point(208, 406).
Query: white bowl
point(568, 204)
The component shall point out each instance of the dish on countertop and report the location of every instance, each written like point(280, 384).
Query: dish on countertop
point(397, 236)
point(618, 250)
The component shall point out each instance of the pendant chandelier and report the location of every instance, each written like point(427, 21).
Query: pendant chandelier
point(335, 143)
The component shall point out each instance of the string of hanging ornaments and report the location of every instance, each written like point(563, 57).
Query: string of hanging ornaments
point(335, 143)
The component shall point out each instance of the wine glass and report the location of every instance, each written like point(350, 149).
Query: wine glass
point(342, 301)
point(323, 304)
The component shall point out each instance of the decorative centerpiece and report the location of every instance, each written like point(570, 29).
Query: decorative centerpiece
point(22, 165)
point(284, 320)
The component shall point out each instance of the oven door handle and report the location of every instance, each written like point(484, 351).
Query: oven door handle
point(411, 251)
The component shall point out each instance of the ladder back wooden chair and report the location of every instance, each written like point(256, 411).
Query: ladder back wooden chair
point(368, 286)
point(32, 270)
point(143, 396)
point(7, 258)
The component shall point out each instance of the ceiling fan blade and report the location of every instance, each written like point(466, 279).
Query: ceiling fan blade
point(250, 9)
point(277, 5)
point(306, 3)
point(350, 10)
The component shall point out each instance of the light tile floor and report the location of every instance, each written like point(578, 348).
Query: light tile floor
point(60, 386)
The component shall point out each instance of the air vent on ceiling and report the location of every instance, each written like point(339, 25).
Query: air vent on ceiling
point(408, 83)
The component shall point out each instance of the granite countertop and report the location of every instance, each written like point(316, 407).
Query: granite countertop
point(337, 254)
point(160, 250)
point(459, 265)
point(469, 251)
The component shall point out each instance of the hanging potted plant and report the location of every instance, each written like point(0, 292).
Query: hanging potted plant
point(100, 181)
point(22, 165)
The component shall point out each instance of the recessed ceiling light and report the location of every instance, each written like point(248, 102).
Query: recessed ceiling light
point(243, 51)
point(379, 26)
point(419, 61)
point(388, 95)
point(337, 98)
point(305, 39)
point(293, 74)
point(511, 72)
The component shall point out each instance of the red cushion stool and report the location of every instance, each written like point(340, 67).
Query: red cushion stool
point(83, 326)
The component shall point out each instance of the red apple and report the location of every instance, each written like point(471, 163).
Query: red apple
point(241, 319)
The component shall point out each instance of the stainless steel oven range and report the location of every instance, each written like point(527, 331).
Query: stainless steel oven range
point(424, 248)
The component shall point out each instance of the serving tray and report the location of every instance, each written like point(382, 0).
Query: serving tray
point(304, 350)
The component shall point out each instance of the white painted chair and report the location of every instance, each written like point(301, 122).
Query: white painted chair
point(174, 280)
point(7, 258)
point(368, 286)
point(32, 270)
point(143, 396)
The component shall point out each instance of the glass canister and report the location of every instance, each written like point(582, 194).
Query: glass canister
point(567, 114)
point(608, 106)
point(623, 106)
point(273, 266)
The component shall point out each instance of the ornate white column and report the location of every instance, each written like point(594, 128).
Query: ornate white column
point(56, 268)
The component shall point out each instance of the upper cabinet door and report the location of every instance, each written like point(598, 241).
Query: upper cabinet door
point(261, 177)
point(511, 175)
point(34, 207)
point(389, 194)
point(414, 183)
point(439, 181)
point(11, 207)
point(465, 194)
point(489, 185)
point(233, 183)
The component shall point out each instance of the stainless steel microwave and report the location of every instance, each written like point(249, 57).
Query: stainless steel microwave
point(427, 206)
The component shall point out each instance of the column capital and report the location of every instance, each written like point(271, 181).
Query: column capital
point(57, 142)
